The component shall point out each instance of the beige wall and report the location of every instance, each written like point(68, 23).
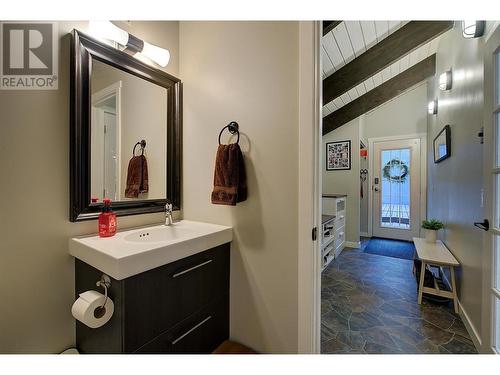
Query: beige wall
point(454, 185)
point(248, 72)
point(346, 181)
point(37, 278)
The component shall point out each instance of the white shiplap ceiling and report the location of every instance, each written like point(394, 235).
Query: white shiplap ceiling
point(350, 39)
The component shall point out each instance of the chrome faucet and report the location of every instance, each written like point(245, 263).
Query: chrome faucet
point(168, 214)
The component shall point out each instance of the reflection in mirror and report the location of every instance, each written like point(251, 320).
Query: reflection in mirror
point(126, 110)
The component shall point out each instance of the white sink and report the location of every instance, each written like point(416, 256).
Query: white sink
point(134, 251)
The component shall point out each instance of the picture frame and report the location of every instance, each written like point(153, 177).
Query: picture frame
point(442, 145)
point(338, 155)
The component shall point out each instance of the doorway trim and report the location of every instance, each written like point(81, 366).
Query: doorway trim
point(423, 173)
point(309, 194)
point(113, 90)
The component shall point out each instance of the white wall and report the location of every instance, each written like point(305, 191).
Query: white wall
point(37, 277)
point(405, 114)
point(248, 72)
point(455, 184)
point(345, 181)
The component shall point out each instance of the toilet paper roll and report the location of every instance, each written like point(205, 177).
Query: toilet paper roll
point(87, 309)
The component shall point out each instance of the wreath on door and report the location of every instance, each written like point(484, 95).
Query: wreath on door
point(396, 171)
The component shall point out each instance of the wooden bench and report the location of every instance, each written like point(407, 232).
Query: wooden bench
point(436, 254)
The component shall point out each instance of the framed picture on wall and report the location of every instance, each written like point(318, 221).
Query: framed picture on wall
point(338, 156)
point(442, 145)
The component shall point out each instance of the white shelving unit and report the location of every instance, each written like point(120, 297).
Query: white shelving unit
point(333, 227)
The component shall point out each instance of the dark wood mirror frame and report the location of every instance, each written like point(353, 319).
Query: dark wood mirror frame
point(83, 50)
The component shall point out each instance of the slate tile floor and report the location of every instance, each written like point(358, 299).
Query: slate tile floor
point(369, 305)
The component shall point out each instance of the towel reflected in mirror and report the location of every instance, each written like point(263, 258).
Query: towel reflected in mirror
point(137, 177)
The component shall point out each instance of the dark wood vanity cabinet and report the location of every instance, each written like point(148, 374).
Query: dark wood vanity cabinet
point(181, 307)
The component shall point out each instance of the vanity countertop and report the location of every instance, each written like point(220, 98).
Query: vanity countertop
point(334, 195)
point(134, 251)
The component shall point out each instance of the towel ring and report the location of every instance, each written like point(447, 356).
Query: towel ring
point(233, 128)
point(142, 143)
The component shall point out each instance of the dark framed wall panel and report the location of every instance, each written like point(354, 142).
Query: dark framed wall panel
point(83, 50)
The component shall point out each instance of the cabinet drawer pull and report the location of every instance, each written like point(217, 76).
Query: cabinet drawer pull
point(191, 330)
point(192, 268)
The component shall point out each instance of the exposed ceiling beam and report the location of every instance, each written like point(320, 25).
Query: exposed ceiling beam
point(380, 94)
point(329, 26)
point(400, 43)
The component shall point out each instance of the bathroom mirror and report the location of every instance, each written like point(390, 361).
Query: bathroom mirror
point(442, 145)
point(125, 132)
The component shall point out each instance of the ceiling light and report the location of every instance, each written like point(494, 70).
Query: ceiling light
point(134, 45)
point(432, 108)
point(445, 80)
point(473, 29)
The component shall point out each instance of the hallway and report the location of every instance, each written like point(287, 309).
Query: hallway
point(369, 305)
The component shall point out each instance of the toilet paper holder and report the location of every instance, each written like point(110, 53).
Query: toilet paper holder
point(104, 282)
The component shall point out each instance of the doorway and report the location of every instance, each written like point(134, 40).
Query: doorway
point(105, 136)
point(396, 189)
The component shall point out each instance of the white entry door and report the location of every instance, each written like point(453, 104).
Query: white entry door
point(396, 189)
point(490, 330)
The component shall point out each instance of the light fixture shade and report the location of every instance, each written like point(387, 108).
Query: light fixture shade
point(445, 81)
point(159, 55)
point(432, 108)
point(106, 30)
point(134, 45)
point(473, 29)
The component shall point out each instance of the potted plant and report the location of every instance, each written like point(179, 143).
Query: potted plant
point(431, 227)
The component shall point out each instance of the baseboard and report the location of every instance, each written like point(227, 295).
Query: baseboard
point(476, 339)
point(354, 245)
point(364, 234)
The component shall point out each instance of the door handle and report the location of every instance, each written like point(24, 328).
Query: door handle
point(485, 225)
point(375, 189)
point(192, 268)
point(191, 330)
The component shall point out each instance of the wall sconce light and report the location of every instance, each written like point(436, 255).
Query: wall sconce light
point(473, 29)
point(432, 108)
point(132, 44)
point(445, 80)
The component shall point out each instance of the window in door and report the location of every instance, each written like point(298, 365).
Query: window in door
point(496, 219)
point(395, 204)
point(496, 293)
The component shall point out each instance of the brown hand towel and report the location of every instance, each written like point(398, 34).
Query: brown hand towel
point(230, 181)
point(137, 177)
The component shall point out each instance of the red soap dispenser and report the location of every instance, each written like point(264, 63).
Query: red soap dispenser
point(107, 220)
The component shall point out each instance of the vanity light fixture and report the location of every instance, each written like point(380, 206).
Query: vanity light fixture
point(445, 80)
point(432, 108)
point(473, 29)
point(132, 44)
